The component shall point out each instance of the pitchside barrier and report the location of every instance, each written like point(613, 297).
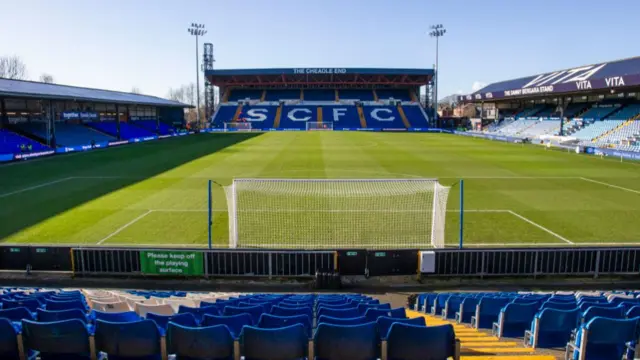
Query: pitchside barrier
point(436, 263)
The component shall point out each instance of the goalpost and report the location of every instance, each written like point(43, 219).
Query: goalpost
point(319, 126)
point(237, 126)
point(336, 213)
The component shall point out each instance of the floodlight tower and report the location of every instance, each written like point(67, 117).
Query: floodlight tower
point(197, 30)
point(437, 31)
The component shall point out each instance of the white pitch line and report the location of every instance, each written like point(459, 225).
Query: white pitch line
point(610, 185)
point(36, 187)
point(332, 211)
point(539, 226)
point(123, 227)
point(530, 245)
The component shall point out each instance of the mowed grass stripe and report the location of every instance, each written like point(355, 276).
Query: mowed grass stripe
point(112, 187)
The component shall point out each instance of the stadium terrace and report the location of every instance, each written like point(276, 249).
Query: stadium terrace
point(592, 108)
point(321, 99)
point(38, 119)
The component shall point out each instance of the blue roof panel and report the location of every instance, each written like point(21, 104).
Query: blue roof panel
point(32, 89)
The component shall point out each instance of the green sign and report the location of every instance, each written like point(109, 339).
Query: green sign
point(171, 262)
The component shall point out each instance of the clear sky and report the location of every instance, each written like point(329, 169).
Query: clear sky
point(119, 44)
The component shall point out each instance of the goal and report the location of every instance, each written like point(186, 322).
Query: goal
point(336, 213)
point(319, 126)
point(237, 126)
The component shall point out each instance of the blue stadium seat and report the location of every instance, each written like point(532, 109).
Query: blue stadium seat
point(430, 300)
point(452, 306)
point(10, 143)
point(384, 324)
point(413, 342)
point(337, 306)
point(260, 116)
point(139, 340)
point(514, 320)
point(199, 312)
point(184, 319)
point(415, 115)
point(58, 340)
point(363, 307)
point(559, 305)
point(373, 314)
point(242, 94)
point(266, 306)
point(199, 343)
point(585, 305)
point(354, 342)
point(296, 117)
point(439, 303)
point(487, 312)
point(235, 323)
point(343, 116)
point(383, 117)
point(66, 305)
point(467, 310)
point(282, 94)
point(125, 316)
point(604, 339)
point(29, 303)
point(608, 312)
point(273, 322)
point(49, 316)
point(398, 313)
point(8, 340)
point(289, 342)
point(342, 321)
point(340, 313)
point(552, 328)
point(17, 314)
point(356, 94)
point(253, 311)
point(633, 312)
point(284, 311)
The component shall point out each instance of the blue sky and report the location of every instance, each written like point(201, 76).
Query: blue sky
point(118, 44)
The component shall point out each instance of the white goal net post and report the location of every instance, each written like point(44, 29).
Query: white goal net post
point(336, 213)
point(237, 126)
point(319, 126)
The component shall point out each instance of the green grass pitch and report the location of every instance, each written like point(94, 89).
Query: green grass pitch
point(155, 194)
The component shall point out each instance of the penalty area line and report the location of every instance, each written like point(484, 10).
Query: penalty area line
point(539, 226)
point(610, 185)
point(36, 187)
point(123, 227)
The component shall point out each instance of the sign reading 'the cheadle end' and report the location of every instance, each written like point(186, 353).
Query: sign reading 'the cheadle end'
point(320, 71)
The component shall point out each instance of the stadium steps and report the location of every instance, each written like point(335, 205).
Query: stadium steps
point(225, 96)
point(412, 95)
point(403, 116)
point(606, 133)
point(363, 120)
point(319, 110)
point(337, 95)
point(479, 345)
point(26, 134)
point(276, 120)
point(375, 95)
point(527, 128)
point(301, 94)
point(264, 95)
point(238, 112)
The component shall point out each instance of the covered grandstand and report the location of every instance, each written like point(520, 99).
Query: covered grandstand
point(322, 98)
point(595, 107)
point(39, 119)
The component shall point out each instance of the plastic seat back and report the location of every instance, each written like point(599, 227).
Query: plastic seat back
point(607, 337)
point(289, 342)
point(235, 323)
point(8, 344)
point(489, 310)
point(17, 314)
point(608, 312)
point(340, 313)
point(116, 306)
point(127, 316)
point(354, 342)
point(384, 324)
point(555, 327)
point(49, 316)
point(184, 319)
point(199, 312)
point(559, 305)
point(468, 309)
point(342, 321)
point(517, 318)
point(254, 311)
point(273, 322)
point(65, 305)
point(363, 307)
point(210, 342)
point(130, 340)
point(587, 304)
point(67, 339)
point(29, 303)
point(412, 342)
point(399, 313)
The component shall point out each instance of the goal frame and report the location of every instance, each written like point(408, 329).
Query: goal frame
point(228, 128)
point(328, 128)
point(437, 217)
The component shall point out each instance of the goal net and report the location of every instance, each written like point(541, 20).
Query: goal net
point(319, 126)
point(237, 126)
point(336, 213)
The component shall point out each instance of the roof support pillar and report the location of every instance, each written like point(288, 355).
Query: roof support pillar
point(3, 113)
point(118, 121)
point(51, 134)
point(561, 105)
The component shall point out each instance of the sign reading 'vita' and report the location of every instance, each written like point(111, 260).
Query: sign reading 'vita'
point(171, 262)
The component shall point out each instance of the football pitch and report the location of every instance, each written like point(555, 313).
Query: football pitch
point(155, 194)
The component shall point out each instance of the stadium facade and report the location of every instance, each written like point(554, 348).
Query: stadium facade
point(322, 99)
point(594, 108)
point(38, 119)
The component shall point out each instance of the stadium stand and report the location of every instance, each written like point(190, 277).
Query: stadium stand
point(354, 94)
point(10, 143)
point(67, 134)
point(127, 131)
point(319, 95)
point(396, 94)
point(154, 126)
point(243, 94)
point(282, 94)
